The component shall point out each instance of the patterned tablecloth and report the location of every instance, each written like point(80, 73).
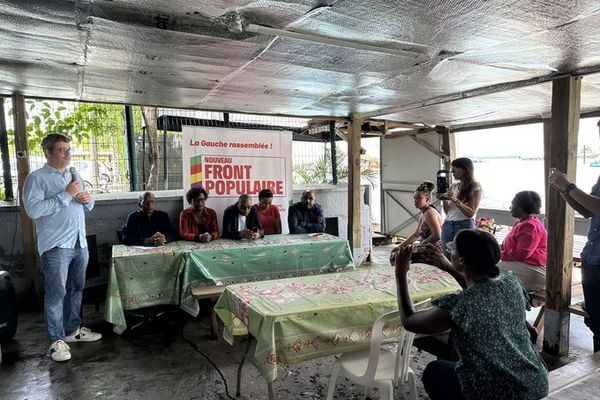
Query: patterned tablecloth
point(148, 276)
point(142, 277)
point(224, 262)
point(298, 319)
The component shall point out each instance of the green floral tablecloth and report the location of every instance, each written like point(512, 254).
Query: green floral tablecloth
point(142, 277)
point(298, 319)
point(148, 276)
point(223, 262)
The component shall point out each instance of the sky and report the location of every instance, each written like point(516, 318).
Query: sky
point(520, 140)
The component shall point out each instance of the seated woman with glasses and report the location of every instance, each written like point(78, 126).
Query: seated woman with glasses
point(487, 320)
point(198, 223)
point(524, 248)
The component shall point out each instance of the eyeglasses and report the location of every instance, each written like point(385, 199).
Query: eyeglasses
point(199, 199)
point(65, 150)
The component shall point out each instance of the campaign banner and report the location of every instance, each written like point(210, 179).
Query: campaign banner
point(230, 162)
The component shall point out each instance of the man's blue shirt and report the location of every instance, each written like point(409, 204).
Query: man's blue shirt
point(59, 219)
point(300, 213)
point(591, 250)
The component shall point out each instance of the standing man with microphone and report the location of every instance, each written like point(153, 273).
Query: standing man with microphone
point(55, 199)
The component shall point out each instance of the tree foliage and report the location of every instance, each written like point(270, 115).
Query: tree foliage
point(320, 171)
point(79, 123)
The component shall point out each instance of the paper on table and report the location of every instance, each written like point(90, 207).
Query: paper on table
point(146, 247)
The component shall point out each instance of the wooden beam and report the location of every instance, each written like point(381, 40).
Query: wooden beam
point(430, 147)
point(413, 131)
point(354, 185)
point(448, 148)
point(562, 144)
point(32, 276)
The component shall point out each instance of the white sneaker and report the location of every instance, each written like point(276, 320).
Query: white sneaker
point(59, 351)
point(83, 335)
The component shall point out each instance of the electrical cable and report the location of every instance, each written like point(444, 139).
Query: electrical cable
point(193, 346)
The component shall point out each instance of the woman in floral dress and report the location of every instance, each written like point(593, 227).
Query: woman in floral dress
point(496, 357)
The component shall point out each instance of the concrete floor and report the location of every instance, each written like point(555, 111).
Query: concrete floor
point(174, 358)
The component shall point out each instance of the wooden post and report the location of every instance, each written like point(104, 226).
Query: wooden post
point(32, 275)
point(354, 185)
point(448, 148)
point(547, 125)
point(563, 156)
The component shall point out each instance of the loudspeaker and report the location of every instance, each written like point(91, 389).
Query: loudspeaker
point(8, 308)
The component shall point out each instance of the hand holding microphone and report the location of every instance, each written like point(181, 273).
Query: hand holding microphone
point(73, 188)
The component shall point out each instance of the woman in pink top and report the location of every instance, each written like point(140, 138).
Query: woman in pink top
point(268, 214)
point(524, 248)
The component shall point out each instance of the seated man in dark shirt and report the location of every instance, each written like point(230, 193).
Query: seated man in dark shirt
point(240, 220)
point(148, 226)
point(306, 216)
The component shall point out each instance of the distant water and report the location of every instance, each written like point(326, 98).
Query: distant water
point(502, 178)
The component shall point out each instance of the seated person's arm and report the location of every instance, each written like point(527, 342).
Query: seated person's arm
point(131, 236)
point(294, 222)
point(430, 321)
point(411, 239)
point(261, 231)
point(318, 224)
point(164, 227)
point(526, 243)
point(277, 221)
point(186, 223)
point(432, 221)
point(230, 226)
point(213, 226)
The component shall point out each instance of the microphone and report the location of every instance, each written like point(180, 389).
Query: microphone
point(73, 172)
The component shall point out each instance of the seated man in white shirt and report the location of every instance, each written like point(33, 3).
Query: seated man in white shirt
point(240, 221)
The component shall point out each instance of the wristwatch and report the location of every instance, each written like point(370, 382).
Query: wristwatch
point(570, 187)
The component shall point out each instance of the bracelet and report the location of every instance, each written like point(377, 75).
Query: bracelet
point(570, 187)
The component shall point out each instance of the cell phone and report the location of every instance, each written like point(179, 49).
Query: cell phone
point(419, 249)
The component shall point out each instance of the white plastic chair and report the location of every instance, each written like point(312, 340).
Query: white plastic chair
point(379, 367)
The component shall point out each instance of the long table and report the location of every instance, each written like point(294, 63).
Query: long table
point(142, 277)
point(147, 276)
point(298, 319)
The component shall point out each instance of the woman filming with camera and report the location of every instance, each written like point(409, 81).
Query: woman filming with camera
point(460, 202)
point(487, 322)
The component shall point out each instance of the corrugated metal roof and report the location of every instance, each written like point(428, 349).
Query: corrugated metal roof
point(432, 61)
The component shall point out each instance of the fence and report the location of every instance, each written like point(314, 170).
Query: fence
point(100, 143)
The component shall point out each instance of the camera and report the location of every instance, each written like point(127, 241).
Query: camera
point(419, 249)
point(443, 181)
